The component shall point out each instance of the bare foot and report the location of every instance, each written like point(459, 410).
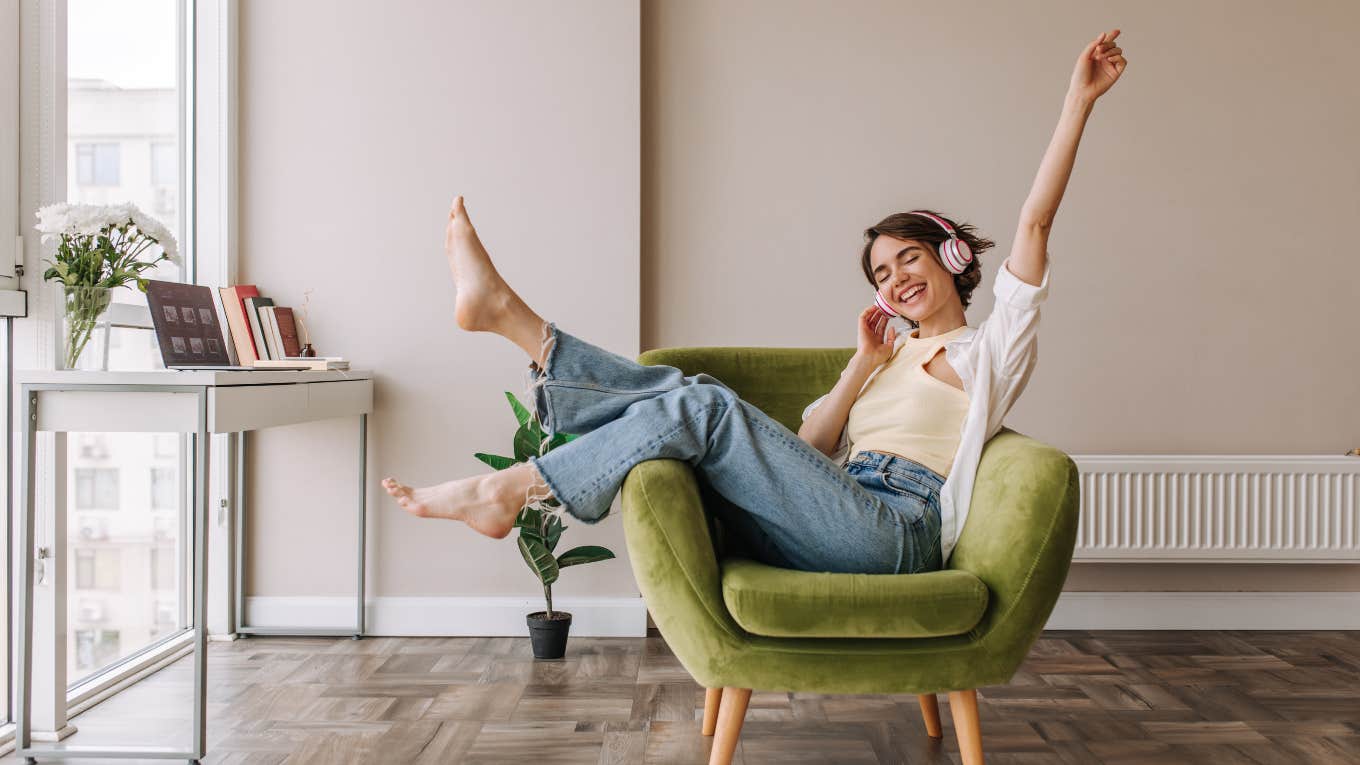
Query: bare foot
point(488, 503)
point(484, 298)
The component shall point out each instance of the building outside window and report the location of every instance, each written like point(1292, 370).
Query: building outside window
point(125, 565)
point(93, 445)
point(94, 648)
point(96, 488)
point(98, 569)
point(164, 488)
point(97, 164)
point(164, 164)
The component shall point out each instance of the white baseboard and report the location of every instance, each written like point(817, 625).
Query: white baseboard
point(1206, 611)
point(450, 616)
point(627, 617)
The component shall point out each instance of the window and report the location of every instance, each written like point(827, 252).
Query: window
point(163, 568)
point(164, 164)
point(127, 63)
point(130, 560)
point(98, 569)
point(122, 80)
point(95, 648)
point(84, 569)
point(96, 488)
point(97, 164)
point(164, 487)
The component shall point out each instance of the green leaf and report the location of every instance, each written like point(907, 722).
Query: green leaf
point(553, 532)
point(495, 460)
point(529, 517)
point(521, 413)
point(529, 521)
point(527, 442)
point(539, 559)
point(583, 554)
point(560, 439)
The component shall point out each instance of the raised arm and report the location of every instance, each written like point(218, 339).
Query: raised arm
point(1098, 67)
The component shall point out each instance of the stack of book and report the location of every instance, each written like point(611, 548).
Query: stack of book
point(266, 335)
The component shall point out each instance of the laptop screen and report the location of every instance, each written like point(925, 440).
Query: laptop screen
point(187, 327)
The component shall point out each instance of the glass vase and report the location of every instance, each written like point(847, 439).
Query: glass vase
point(84, 306)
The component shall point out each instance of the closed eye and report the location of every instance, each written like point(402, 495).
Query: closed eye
point(910, 260)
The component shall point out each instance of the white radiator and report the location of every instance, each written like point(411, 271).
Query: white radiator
point(1219, 508)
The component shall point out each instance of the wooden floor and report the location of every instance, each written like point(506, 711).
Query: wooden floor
point(1081, 697)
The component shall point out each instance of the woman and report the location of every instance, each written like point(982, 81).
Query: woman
point(896, 507)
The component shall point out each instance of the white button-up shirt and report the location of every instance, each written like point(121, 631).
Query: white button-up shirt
point(994, 361)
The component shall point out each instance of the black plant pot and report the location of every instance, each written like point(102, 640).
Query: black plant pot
point(549, 636)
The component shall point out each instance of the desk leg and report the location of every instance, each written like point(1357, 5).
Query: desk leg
point(203, 444)
point(238, 576)
point(22, 711)
point(363, 519)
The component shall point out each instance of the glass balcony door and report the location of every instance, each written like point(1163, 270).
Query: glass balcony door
point(127, 493)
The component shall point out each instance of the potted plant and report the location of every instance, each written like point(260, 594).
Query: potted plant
point(539, 533)
point(98, 251)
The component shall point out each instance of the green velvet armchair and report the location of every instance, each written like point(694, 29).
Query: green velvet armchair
point(737, 625)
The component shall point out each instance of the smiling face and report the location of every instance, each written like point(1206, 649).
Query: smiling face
point(908, 267)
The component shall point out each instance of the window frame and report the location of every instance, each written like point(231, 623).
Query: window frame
point(33, 80)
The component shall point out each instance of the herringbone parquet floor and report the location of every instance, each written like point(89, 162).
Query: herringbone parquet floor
point(1218, 697)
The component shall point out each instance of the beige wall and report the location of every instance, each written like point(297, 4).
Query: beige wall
point(358, 126)
point(771, 134)
point(1181, 317)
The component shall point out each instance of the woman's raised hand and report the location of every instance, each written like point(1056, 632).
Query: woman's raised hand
point(874, 347)
point(1098, 67)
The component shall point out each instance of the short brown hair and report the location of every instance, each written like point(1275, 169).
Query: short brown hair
point(904, 225)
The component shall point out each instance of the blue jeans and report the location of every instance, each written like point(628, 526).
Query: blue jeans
point(791, 504)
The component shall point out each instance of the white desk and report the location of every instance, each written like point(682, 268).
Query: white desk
point(201, 402)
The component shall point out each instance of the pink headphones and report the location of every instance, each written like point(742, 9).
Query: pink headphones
point(954, 253)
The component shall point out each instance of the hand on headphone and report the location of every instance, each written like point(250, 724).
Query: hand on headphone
point(875, 345)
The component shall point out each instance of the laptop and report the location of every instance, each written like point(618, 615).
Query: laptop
point(188, 327)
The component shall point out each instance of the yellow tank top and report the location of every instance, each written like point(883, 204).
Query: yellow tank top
point(906, 411)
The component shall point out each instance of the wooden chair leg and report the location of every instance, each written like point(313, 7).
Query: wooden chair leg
point(711, 698)
point(963, 708)
point(731, 714)
point(930, 711)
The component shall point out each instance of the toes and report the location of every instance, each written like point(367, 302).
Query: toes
point(395, 489)
point(411, 506)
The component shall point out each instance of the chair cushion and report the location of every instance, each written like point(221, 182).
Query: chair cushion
point(780, 602)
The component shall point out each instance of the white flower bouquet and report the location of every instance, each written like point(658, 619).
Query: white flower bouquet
point(99, 249)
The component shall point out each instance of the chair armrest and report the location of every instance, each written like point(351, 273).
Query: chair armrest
point(1019, 536)
point(674, 562)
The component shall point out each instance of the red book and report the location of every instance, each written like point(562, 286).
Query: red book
point(287, 331)
point(233, 302)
